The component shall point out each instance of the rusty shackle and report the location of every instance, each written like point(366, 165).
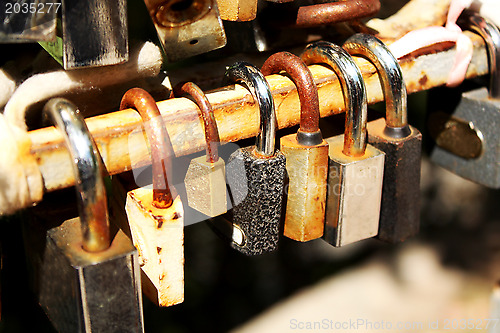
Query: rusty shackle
point(161, 147)
point(353, 89)
point(209, 125)
point(336, 12)
point(309, 133)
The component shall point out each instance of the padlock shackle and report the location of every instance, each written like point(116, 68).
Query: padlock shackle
point(353, 89)
point(309, 133)
point(391, 79)
point(159, 141)
point(252, 78)
point(491, 34)
point(88, 171)
point(212, 138)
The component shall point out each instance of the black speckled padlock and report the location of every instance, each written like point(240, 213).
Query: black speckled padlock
point(256, 174)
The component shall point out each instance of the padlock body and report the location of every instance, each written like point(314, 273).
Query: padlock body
point(206, 186)
point(200, 32)
point(307, 168)
point(483, 115)
point(158, 235)
point(400, 209)
point(237, 10)
point(354, 194)
point(257, 190)
point(89, 292)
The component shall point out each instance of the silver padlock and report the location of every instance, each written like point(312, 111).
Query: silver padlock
point(356, 168)
point(401, 143)
point(256, 174)
point(91, 33)
point(467, 143)
point(87, 279)
point(187, 27)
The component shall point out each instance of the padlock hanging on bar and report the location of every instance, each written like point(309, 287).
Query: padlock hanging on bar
point(155, 217)
point(256, 174)
point(467, 142)
point(91, 33)
point(306, 154)
point(401, 143)
point(187, 27)
point(356, 169)
point(205, 178)
point(86, 279)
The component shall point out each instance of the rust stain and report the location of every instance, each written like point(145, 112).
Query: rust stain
point(158, 249)
point(160, 223)
point(423, 80)
point(175, 216)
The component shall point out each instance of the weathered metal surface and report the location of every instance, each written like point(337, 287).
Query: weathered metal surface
point(235, 112)
point(335, 12)
point(354, 194)
point(159, 141)
point(307, 169)
point(257, 190)
point(483, 114)
point(206, 186)
point(400, 209)
point(237, 10)
point(187, 28)
point(83, 291)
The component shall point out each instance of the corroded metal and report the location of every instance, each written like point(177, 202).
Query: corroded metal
point(205, 178)
point(307, 169)
point(210, 126)
point(187, 27)
point(306, 88)
point(335, 12)
point(161, 147)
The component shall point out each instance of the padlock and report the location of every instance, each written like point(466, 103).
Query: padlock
point(237, 10)
point(86, 279)
point(205, 178)
point(28, 21)
point(256, 174)
point(156, 216)
point(187, 27)
point(306, 154)
point(90, 34)
point(402, 144)
point(355, 168)
point(467, 142)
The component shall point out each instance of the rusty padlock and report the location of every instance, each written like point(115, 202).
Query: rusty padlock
point(156, 216)
point(306, 154)
point(402, 144)
point(355, 169)
point(205, 179)
point(86, 279)
point(258, 196)
point(187, 27)
point(467, 142)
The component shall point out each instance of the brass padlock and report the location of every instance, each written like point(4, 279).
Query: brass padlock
point(86, 279)
point(256, 174)
point(467, 142)
point(355, 169)
point(306, 154)
point(205, 179)
point(187, 27)
point(90, 33)
point(401, 143)
point(156, 216)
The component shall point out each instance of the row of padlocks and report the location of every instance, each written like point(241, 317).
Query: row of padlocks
point(92, 270)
